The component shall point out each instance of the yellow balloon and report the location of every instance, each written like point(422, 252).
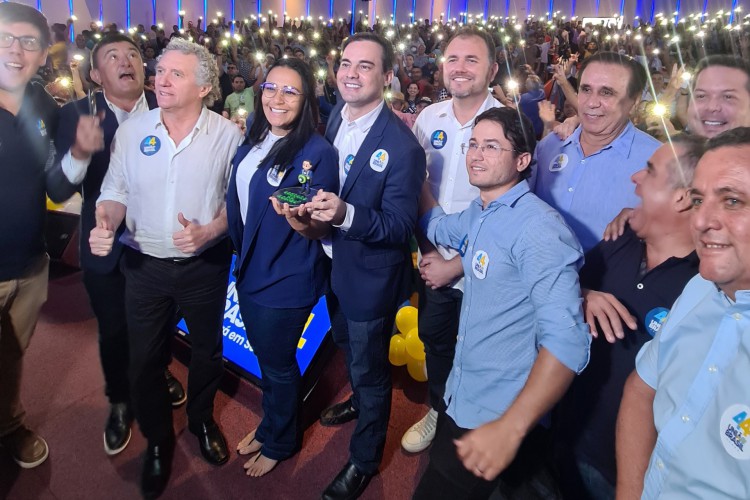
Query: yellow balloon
point(397, 351)
point(414, 346)
point(406, 319)
point(417, 369)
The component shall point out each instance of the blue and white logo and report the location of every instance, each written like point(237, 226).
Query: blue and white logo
point(348, 164)
point(150, 145)
point(480, 263)
point(655, 319)
point(438, 139)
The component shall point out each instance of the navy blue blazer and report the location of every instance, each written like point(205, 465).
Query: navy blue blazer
point(371, 268)
point(91, 186)
point(276, 267)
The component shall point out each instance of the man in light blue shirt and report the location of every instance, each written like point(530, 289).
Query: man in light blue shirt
point(586, 177)
point(522, 336)
point(684, 419)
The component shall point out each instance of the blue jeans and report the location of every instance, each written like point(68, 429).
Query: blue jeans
point(274, 335)
point(365, 345)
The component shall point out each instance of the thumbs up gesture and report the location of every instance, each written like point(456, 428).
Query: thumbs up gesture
point(192, 237)
point(102, 237)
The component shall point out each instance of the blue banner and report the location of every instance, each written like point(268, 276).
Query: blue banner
point(237, 349)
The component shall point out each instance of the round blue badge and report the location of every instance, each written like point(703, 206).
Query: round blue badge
point(655, 319)
point(438, 139)
point(150, 145)
point(348, 164)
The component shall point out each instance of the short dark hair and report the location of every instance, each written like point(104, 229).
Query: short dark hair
point(109, 39)
point(739, 136)
point(238, 76)
point(723, 61)
point(11, 12)
point(385, 45)
point(469, 31)
point(518, 130)
point(638, 75)
point(301, 128)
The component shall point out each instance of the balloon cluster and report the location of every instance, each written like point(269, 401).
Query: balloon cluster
point(406, 348)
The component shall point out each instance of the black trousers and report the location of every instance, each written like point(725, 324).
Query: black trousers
point(153, 289)
point(107, 297)
point(528, 477)
point(106, 293)
point(365, 345)
point(439, 312)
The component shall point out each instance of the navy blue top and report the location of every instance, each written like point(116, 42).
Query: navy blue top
point(589, 410)
point(276, 267)
point(25, 151)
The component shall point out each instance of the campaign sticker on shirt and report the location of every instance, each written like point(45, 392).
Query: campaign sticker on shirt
point(734, 427)
point(150, 145)
point(379, 160)
point(42, 128)
point(480, 263)
point(348, 164)
point(463, 245)
point(274, 176)
point(438, 139)
point(558, 163)
point(655, 318)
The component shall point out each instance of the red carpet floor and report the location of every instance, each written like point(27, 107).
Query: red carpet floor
point(64, 398)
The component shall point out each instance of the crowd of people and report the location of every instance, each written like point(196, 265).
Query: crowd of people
point(583, 258)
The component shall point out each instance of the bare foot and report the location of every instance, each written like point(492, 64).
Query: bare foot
point(260, 465)
point(249, 444)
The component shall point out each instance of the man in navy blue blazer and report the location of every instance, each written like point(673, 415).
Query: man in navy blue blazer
point(381, 168)
point(83, 150)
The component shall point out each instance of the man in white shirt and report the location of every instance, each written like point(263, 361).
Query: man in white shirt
point(83, 143)
point(441, 129)
point(167, 178)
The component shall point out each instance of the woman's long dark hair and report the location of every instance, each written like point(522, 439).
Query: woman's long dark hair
point(300, 130)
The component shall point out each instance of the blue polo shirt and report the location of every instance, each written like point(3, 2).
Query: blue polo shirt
point(589, 191)
point(698, 364)
point(521, 293)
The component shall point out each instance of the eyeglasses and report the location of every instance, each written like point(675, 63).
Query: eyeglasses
point(488, 150)
point(287, 92)
point(28, 43)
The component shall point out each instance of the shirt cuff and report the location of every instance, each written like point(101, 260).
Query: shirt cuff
point(348, 218)
point(73, 168)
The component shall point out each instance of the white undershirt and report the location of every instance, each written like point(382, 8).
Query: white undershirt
point(248, 167)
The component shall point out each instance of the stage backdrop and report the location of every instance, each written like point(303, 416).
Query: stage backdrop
point(147, 12)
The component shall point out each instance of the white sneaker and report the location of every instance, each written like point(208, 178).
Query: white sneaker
point(420, 435)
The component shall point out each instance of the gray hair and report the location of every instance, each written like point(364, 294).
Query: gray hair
point(207, 72)
point(533, 83)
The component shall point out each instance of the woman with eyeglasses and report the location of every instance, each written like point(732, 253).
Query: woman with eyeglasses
point(281, 272)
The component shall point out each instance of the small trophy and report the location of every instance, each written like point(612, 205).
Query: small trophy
point(298, 195)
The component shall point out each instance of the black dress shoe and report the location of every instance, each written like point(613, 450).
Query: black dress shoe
point(117, 431)
point(157, 465)
point(176, 391)
point(211, 441)
point(348, 484)
point(339, 414)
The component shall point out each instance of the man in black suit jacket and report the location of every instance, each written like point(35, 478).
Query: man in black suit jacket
point(83, 145)
point(382, 167)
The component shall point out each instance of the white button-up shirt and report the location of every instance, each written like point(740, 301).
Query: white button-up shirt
point(349, 138)
point(446, 164)
point(156, 178)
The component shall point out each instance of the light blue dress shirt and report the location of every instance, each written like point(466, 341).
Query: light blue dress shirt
point(699, 365)
point(521, 293)
point(590, 191)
